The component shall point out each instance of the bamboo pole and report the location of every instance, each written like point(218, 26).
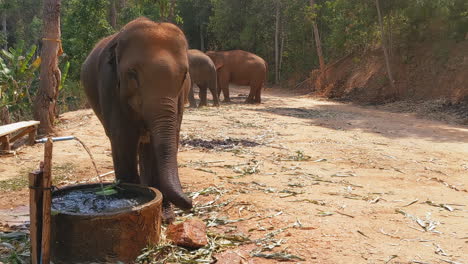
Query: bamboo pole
point(47, 200)
point(35, 214)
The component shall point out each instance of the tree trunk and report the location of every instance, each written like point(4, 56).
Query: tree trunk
point(5, 32)
point(46, 98)
point(318, 43)
point(387, 61)
point(277, 20)
point(172, 11)
point(202, 39)
point(113, 14)
point(281, 51)
point(5, 116)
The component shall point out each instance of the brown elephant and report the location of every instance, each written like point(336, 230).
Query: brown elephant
point(136, 82)
point(241, 68)
point(203, 74)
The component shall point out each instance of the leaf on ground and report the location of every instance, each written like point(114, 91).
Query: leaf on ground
point(282, 256)
point(13, 235)
point(344, 174)
point(446, 207)
point(411, 203)
point(310, 201)
point(322, 213)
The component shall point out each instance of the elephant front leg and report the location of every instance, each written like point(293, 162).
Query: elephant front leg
point(223, 85)
point(124, 155)
point(191, 97)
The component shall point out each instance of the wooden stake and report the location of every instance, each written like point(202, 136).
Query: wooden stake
point(47, 200)
point(35, 214)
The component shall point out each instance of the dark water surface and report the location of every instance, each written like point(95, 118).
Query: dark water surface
point(86, 201)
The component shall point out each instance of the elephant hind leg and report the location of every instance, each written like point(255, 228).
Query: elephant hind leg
point(254, 95)
point(214, 93)
point(258, 94)
point(202, 95)
point(191, 96)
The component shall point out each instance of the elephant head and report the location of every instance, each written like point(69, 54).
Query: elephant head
point(150, 64)
point(217, 58)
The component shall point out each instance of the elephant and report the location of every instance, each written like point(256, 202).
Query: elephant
point(241, 68)
point(137, 82)
point(203, 74)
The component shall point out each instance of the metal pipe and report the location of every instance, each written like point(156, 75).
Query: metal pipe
point(55, 139)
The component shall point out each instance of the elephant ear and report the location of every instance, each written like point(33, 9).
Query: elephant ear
point(218, 64)
point(113, 55)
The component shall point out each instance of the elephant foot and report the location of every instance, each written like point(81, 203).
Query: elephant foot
point(192, 106)
point(227, 100)
point(168, 215)
point(216, 104)
point(249, 101)
point(202, 104)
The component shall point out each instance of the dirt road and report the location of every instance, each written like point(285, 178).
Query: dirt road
point(324, 181)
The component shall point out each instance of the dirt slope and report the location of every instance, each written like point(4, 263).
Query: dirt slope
point(357, 180)
point(426, 71)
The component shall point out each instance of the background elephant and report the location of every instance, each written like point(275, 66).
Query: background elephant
point(203, 74)
point(136, 82)
point(241, 68)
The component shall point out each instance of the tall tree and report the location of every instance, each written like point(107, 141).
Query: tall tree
point(318, 43)
point(4, 29)
point(277, 23)
point(387, 61)
point(113, 13)
point(46, 97)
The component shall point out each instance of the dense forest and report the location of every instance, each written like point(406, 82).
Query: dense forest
point(293, 36)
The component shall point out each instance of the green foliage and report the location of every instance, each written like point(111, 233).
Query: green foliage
point(84, 24)
point(345, 27)
point(17, 71)
point(196, 18)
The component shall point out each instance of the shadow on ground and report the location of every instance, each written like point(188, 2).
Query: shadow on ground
point(391, 125)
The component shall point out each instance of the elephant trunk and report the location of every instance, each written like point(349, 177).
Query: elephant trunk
point(163, 125)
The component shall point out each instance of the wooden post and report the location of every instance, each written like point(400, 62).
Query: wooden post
point(47, 200)
point(5, 141)
point(35, 214)
point(32, 136)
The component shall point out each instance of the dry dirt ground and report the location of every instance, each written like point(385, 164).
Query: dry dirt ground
point(325, 181)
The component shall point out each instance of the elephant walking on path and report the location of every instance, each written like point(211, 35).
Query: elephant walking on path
point(241, 68)
point(136, 82)
point(203, 74)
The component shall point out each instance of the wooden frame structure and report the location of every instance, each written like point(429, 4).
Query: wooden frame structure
point(21, 128)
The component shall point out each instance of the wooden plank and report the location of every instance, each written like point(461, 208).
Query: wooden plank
point(22, 132)
point(35, 214)
point(10, 128)
point(47, 200)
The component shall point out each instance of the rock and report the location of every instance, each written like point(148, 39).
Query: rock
point(229, 257)
point(191, 234)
